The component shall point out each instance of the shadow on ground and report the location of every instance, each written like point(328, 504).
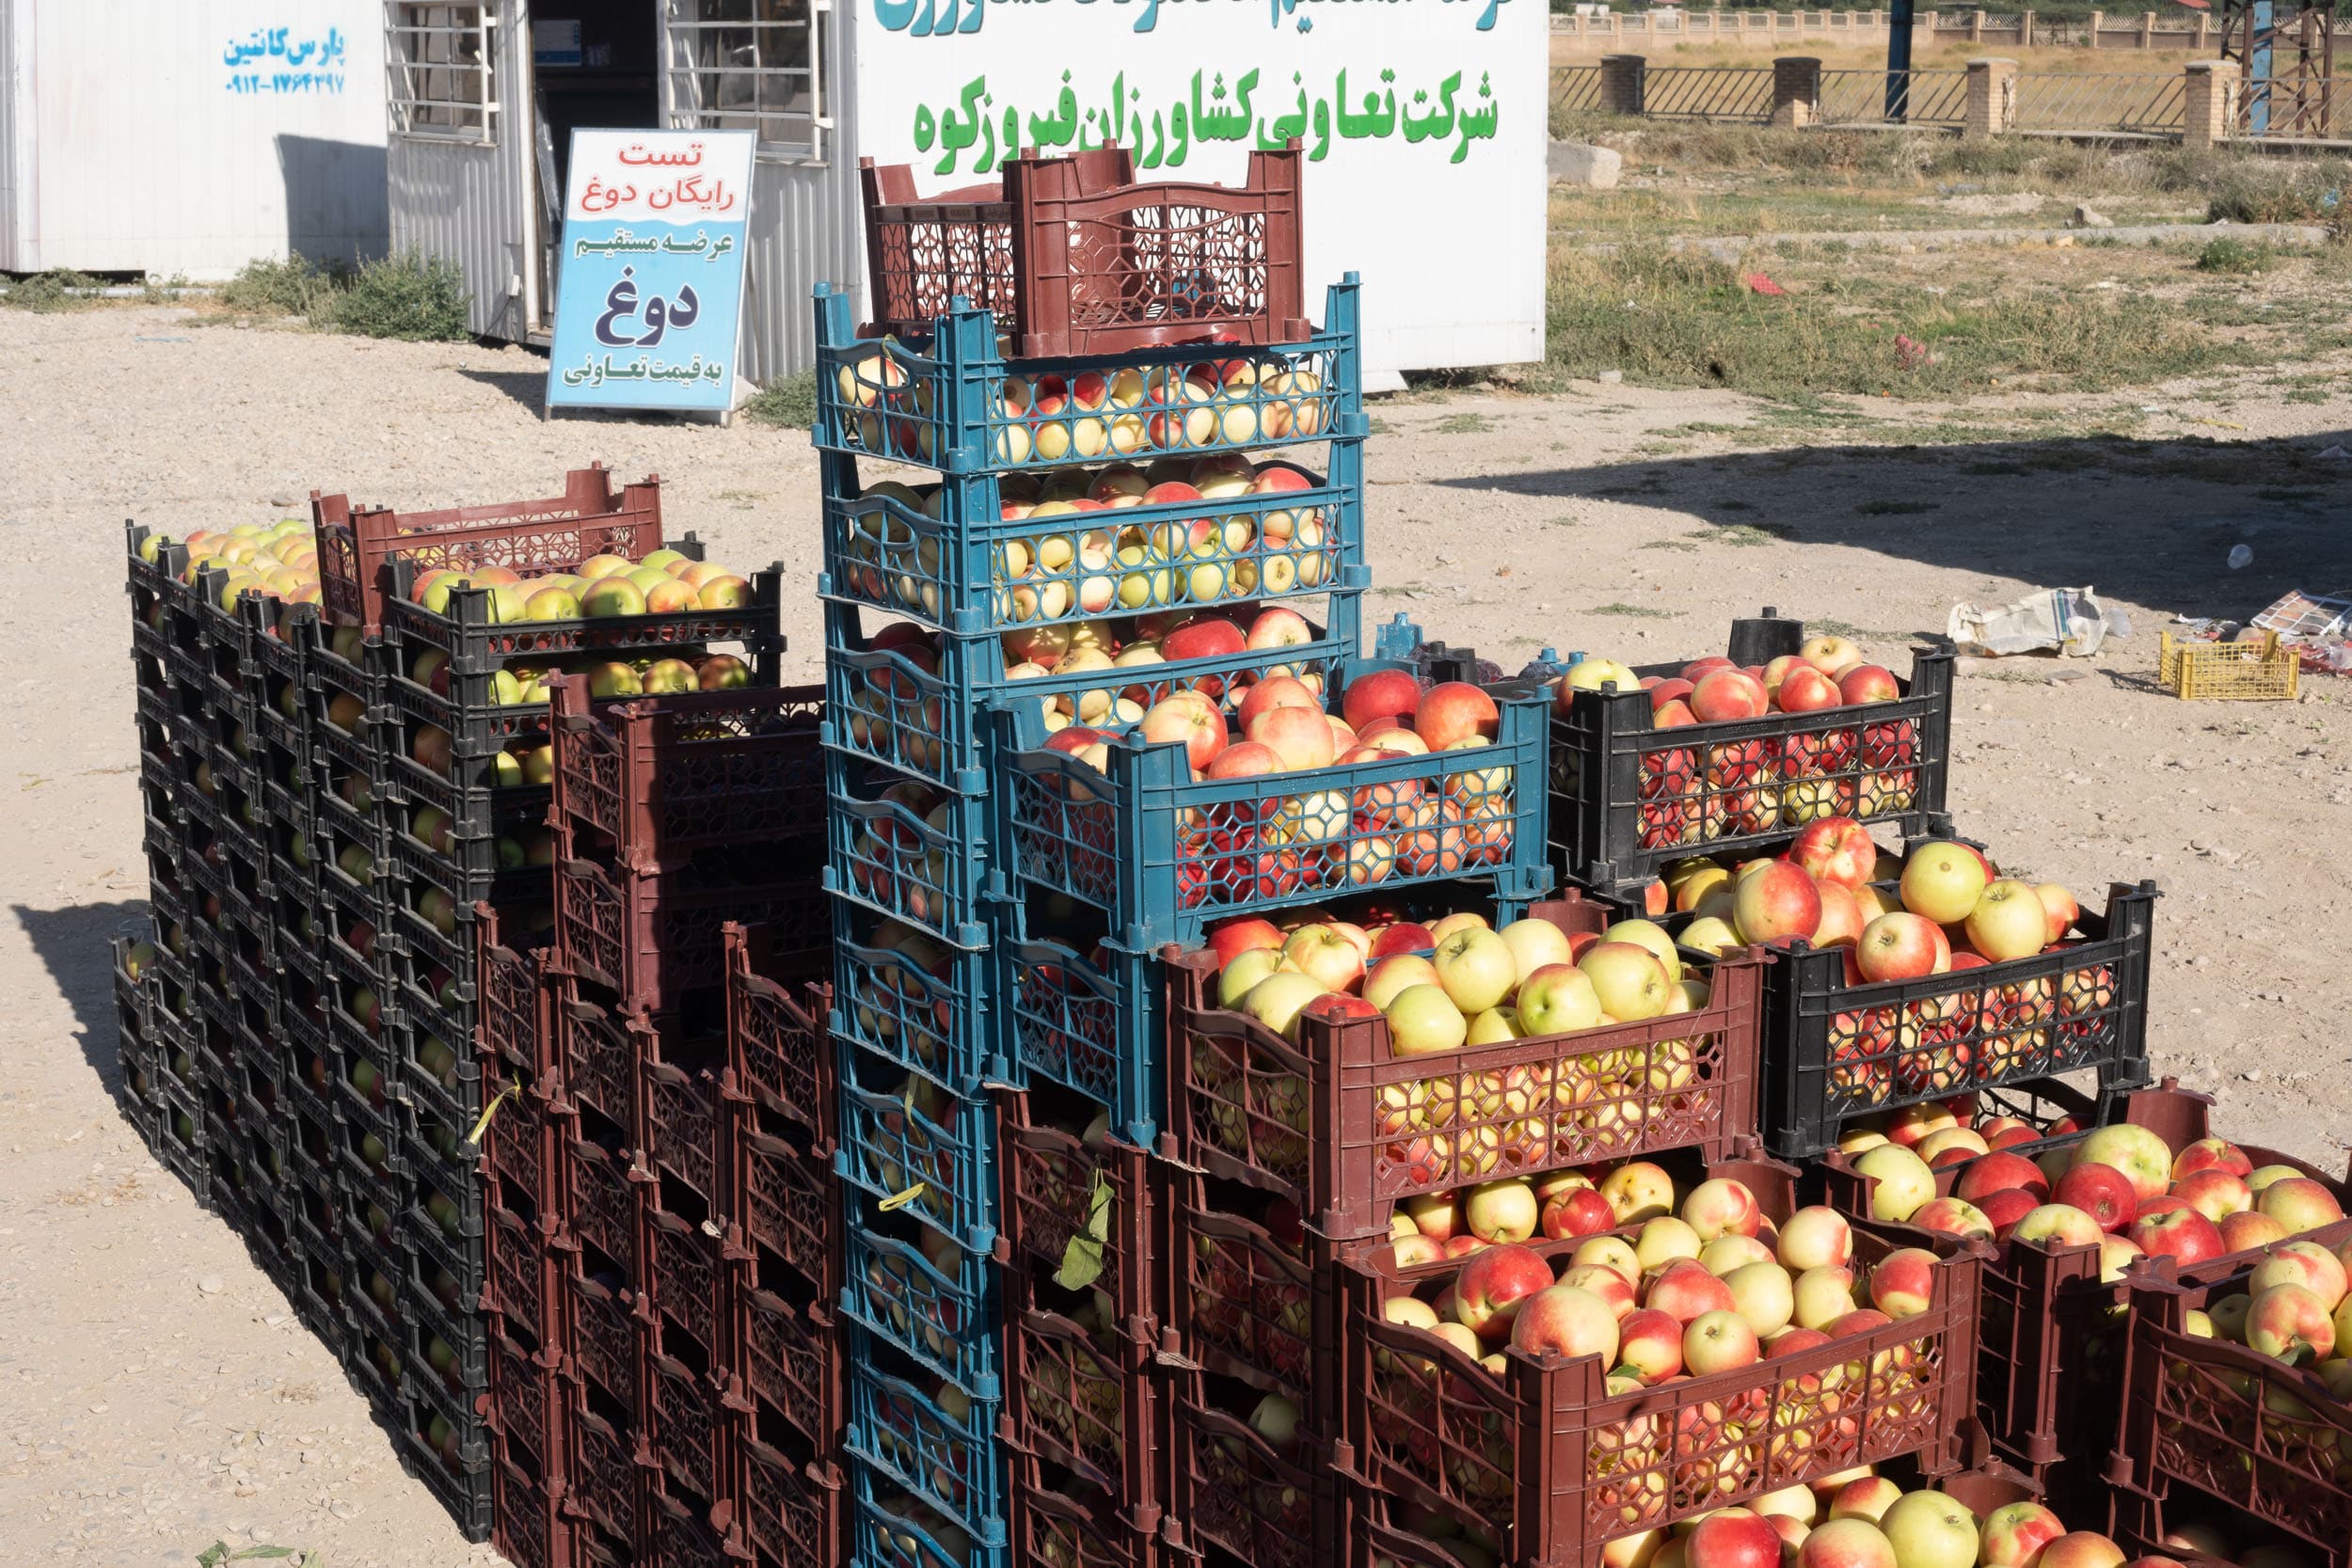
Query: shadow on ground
point(71, 944)
point(2151, 523)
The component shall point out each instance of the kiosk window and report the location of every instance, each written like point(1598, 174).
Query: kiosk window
point(438, 56)
point(752, 65)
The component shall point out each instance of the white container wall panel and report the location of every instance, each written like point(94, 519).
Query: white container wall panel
point(806, 230)
point(191, 137)
point(15, 104)
point(461, 201)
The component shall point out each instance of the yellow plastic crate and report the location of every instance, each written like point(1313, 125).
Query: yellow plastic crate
point(2230, 672)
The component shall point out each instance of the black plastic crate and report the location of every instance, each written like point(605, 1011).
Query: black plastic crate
point(478, 793)
point(452, 1461)
point(445, 1217)
point(472, 868)
point(1627, 799)
point(433, 1074)
point(1835, 1051)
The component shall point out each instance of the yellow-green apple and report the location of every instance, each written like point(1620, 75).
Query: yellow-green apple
point(1951, 1146)
point(1500, 1212)
point(1238, 978)
point(1868, 683)
point(2014, 1534)
point(1726, 1254)
point(1764, 1295)
point(1492, 1027)
point(2140, 1153)
point(1902, 1183)
point(1535, 944)
point(1941, 881)
point(2007, 922)
point(1191, 719)
point(1931, 1530)
point(1436, 1215)
point(1841, 920)
point(1902, 1285)
point(1276, 1001)
point(1409, 1312)
point(1831, 654)
point(1866, 1498)
point(2058, 1224)
point(2299, 1203)
point(1576, 1211)
point(2304, 1263)
point(1610, 1252)
point(1685, 1291)
point(1415, 1251)
point(2243, 1232)
point(1604, 1282)
point(1711, 934)
point(1639, 1191)
point(2058, 909)
point(1562, 1320)
point(1901, 946)
point(1791, 1502)
point(1665, 1240)
point(1823, 1295)
point(1449, 712)
point(1628, 979)
point(1717, 1341)
point(1776, 903)
point(1390, 975)
point(1650, 1344)
point(1735, 1538)
point(2103, 1191)
point(1816, 1237)
point(1557, 999)
point(1722, 1206)
point(1649, 934)
point(1953, 1216)
point(1460, 920)
point(2170, 1228)
point(1325, 956)
point(1421, 1019)
point(1476, 968)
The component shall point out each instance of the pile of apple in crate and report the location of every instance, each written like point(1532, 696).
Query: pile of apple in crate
point(1217, 1093)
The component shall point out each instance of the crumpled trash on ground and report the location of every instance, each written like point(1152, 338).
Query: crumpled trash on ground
point(2061, 620)
point(2317, 625)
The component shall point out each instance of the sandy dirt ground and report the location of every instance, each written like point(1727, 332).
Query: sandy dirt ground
point(156, 1391)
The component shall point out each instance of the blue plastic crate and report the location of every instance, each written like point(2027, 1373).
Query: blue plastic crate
point(956, 561)
point(906, 848)
point(888, 1000)
point(924, 713)
point(1163, 855)
point(1092, 1022)
point(944, 1315)
point(940, 1449)
point(928, 1153)
point(964, 407)
point(890, 1528)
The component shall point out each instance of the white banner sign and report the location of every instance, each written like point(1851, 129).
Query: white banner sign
point(1423, 123)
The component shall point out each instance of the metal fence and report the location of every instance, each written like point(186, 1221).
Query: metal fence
point(1860, 98)
point(1741, 94)
point(1576, 87)
point(2099, 101)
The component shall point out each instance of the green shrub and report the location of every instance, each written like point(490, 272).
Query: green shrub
point(2240, 256)
point(292, 287)
point(414, 298)
point(51, 291)
point(789, 401)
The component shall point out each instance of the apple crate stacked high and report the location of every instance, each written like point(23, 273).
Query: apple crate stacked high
point(342, 794)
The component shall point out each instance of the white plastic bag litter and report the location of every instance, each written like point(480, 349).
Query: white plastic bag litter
point(2067, 620)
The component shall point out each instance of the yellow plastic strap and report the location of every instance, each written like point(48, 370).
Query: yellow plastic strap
point(473, 1139)
point(890, 1205)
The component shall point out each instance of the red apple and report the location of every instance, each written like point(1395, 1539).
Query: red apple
point(1997, 1172)
point(1383, 694)
point(2004, 1209)
point(1230, 939)
point(1721, 695)
point(1454, 711)
point(1493, 1286)
point(1836, 849)
point(2100, 1191)
point(2180, 1233)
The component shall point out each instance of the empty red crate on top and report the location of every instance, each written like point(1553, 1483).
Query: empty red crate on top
point(1076, 257)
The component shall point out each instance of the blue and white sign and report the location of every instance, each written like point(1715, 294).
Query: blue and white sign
point(649, 297)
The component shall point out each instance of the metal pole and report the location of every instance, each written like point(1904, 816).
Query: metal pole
point(2258, 42)
point(1899, 61)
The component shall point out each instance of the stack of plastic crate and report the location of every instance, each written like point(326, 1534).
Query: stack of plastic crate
point(675, 1228)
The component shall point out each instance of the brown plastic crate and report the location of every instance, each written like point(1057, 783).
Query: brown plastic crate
point(1053, 1183)
point(527, 1528)
point(521, 1403)
point(1072, 1527)
point(522, 1276)
point(685, 1289)
point(789, 1353)
point(1232, 1491)
point(653, 938)
point(688, 1413)
point(2215, 1417)
point(1562, 1467)
point(2049, 1353)
point(1256, 1301)
point(1082, 1403)
point(600, 1441)
point(600, 1049)
point(789, 1508)
point(1337, 1122)
point(655, 778)
point(516, 1001)
point(779, 1047)
point(1077, 258)
point(520, 1139)
point(2139, 1525)
point(358, 545)
point(785, 1202)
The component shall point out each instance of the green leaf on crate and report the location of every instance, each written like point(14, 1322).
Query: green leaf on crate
point(1082, 1260)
